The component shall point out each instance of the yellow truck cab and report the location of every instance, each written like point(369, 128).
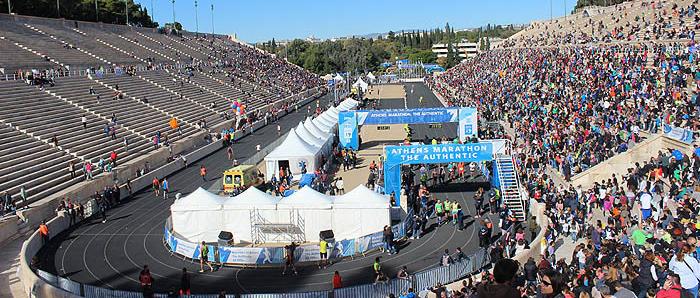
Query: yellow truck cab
point(240, 176)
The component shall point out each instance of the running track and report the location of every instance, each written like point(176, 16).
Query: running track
point(111, 254)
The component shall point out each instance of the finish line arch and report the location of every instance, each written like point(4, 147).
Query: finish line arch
point(396, 156)
point(349, 122)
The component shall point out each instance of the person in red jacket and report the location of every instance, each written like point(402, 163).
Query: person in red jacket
point(113, 157)
point(671, 288)
point(337, 281)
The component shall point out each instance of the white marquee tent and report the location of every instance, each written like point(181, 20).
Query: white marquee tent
point(237, 212)
point(311, 127)
point(198, 216)
point(316, 141)
point(324, 125)
point(338, 78)
point(201, 215)
point(314, 207)
point(361, 84)
point(360, 212)
point(292, 150)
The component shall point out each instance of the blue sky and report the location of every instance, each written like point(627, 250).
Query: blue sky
point(261, 20)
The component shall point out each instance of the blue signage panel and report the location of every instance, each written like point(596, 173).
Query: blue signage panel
point(347, 130)
point(404, 116)
point(467, 123)
point(427, 154)
point(442, 153)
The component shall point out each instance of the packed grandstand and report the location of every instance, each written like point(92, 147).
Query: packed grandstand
point(599, 111)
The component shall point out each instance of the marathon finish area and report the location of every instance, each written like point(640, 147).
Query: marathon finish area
point(112, 254)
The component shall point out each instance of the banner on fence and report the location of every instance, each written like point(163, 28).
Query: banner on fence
point(680, 134)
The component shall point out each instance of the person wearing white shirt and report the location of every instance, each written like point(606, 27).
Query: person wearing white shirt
point(645, 202)
point(687, 268)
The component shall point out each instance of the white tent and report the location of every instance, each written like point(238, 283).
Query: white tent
point(361, 84)
point(360, 212)
point(288, 154)
point(197, 216)
point(316, 141)
point(347, 104)
point(237, 212)
point(327, 77)
point(328, 118)
point(311, 127)
point(371, 77)
point(324, 124)
point(313, 207)
point(338, 78)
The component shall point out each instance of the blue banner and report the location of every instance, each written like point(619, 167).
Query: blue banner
point(468, 123)
point(680, 134)
point(343, 248)
point(427, 154)
point(347, 130)
point(441, 153)
point(412, 116)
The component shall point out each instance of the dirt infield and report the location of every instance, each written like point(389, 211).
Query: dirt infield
point(386, 91)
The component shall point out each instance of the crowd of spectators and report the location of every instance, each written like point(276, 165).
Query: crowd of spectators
point(626, 22)
point(575, 107)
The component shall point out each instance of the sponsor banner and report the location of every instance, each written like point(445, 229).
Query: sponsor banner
point(468, 123)
point(347, 130)
point(370, 242)
point(309, 253)
point(442, 153)
point(187, 249)
point(680, 134)
point(403, 116)
point(343, 248)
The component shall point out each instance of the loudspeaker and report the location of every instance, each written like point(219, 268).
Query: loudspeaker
point(327, 235)
point(225, 238)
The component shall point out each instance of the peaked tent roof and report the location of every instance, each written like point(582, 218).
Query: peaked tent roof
point(338, 77)
point(198, 200)
point(323, 124)
point(251, 198)
point(361, 198)
point(305, 135)
point(306, 198)
point(313, 129)
point(293, 145)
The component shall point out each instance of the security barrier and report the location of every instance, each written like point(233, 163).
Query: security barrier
point(275, 255)
point(318, 294)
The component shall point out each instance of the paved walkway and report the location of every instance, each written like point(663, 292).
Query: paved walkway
point(9, 262)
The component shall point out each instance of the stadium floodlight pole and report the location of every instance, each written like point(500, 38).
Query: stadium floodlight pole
point(173, 1)
point(97, 12)
point(196, 19)
point(58, 9)
point(153, 13)
point(9, 7)
point(212, 20)
point(551, 18)
point(126, 11)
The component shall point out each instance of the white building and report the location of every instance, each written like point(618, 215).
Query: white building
point(465, 49)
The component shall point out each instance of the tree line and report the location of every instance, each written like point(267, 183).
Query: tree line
point(108, 11)
point(368, 54)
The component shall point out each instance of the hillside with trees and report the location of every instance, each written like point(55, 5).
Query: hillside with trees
point(110, 11)
point(367, 54)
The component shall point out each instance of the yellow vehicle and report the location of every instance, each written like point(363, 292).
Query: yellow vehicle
point(240, 176)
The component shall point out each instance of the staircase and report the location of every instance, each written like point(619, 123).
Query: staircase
point(263, 231)
point(510, 186)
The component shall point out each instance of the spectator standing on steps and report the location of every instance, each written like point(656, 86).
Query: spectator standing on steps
point(83, 120)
